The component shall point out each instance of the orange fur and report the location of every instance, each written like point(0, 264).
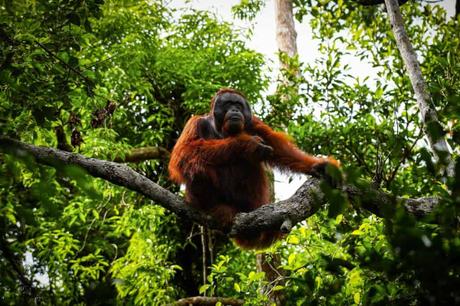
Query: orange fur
point(286, 154)
point(223, 175)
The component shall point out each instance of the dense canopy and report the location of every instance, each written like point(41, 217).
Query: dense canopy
point(117, 80)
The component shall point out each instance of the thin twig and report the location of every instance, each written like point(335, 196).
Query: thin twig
point(88, 81)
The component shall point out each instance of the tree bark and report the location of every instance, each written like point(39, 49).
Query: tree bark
point(270, 263)
point(205, 301)
point(286, 38)
point(286, 35)
point(115, 173)
point(439, 145)
point(287, 90)
point(281, 215)
point(142, 154)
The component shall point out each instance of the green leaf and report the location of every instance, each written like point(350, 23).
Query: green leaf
point(292, 239)
point(357, 298)
point(204, 288)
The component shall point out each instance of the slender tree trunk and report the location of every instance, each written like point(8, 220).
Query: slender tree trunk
point(286, 39)
point(269, 263)
point(286, 36)
point(287, 90)
point(438, 143)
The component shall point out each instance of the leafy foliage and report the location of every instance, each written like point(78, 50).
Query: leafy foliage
point(100, 78)
point(372, 124)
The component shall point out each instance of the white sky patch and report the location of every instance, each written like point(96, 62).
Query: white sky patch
point(29, 262)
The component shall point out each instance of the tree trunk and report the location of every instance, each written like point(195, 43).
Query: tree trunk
point(282, 214)
point(287, 90)
point(433, 128)
point(269, 263)
point(286, 39)
point(286, 36)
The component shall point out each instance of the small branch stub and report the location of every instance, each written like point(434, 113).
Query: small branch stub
point(286, 227)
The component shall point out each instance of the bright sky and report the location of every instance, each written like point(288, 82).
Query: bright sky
point(264, 41)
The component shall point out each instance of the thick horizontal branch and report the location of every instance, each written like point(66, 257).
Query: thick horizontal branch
point(142, 154)
point(281, 215)
point(309, 198)
point(383, 205)
point(206, 300)
point(115, 173)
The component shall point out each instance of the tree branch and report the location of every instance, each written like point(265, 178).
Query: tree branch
point(281, 215)
point(432, 127)
point(115, 173)
point(383, 204)
point(87, 80)
point(138, 155)
point(205, 300)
